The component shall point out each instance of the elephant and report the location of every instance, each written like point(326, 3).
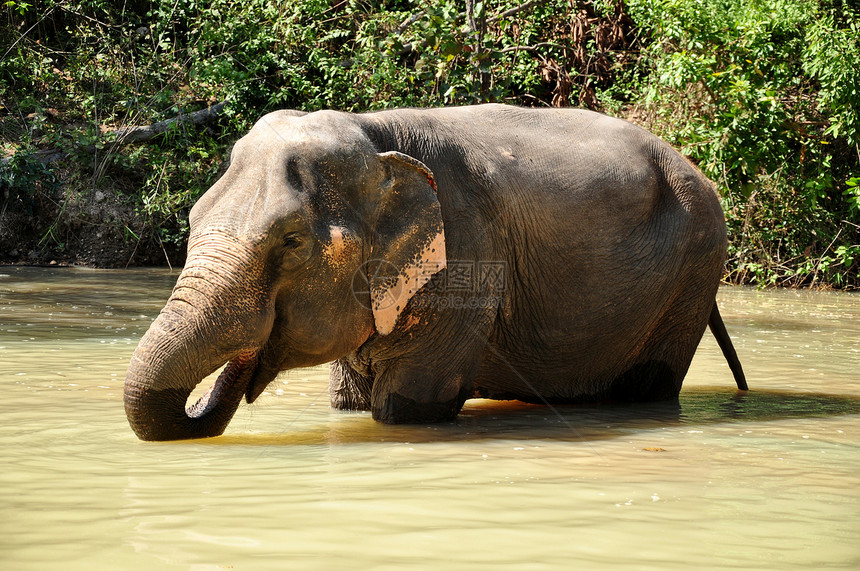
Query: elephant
point(437, 255)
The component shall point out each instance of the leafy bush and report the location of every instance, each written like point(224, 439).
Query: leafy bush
point(77, 68)
point(764, 97)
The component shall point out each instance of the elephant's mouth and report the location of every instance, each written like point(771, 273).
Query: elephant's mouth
point(270, 362)
point(235, 378)
point(244, 374)
point(260, 379)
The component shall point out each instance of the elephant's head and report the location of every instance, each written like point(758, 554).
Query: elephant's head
point(309, 244)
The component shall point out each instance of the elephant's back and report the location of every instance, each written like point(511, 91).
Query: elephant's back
point(547, 182)
point(490, 159)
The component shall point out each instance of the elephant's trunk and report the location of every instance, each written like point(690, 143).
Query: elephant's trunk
point(189, 340)
point(160, 413)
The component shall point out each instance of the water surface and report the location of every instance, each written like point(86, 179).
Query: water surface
point(767, 479)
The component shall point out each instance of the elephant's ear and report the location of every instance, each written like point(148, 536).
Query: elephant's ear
point(408, 244)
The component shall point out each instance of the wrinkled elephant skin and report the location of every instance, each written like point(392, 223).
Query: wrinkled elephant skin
point(433, 256)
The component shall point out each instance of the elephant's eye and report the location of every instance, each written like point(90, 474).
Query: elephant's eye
point(292, 240)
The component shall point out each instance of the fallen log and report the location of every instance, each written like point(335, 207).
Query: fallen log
point(137, 134)
point(128, 135)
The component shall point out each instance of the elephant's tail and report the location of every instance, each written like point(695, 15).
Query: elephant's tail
point(715, 322)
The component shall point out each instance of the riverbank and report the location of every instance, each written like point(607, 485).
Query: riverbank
point(107, 240)
point(99, 223)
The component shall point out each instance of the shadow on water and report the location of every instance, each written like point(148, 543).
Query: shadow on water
point(492, 420)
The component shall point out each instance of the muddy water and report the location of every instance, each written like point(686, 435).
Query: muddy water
point(770, 479)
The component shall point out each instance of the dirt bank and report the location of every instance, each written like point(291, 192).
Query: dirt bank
point(57, 221)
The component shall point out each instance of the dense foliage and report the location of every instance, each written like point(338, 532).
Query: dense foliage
point(763, 95)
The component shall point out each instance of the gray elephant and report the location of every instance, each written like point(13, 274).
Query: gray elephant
point(432, 256)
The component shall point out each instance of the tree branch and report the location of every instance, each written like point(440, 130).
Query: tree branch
point(512, 11)
point(404, 25)
point(529, 48)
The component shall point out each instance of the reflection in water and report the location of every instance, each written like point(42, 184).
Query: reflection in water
point(491, 420)
point(717, 479)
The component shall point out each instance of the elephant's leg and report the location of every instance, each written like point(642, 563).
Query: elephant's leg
point(652, 380)
point(348, 389)
point(430, 383)
point(413, 393)
point(660, 368)
point(424, 372)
